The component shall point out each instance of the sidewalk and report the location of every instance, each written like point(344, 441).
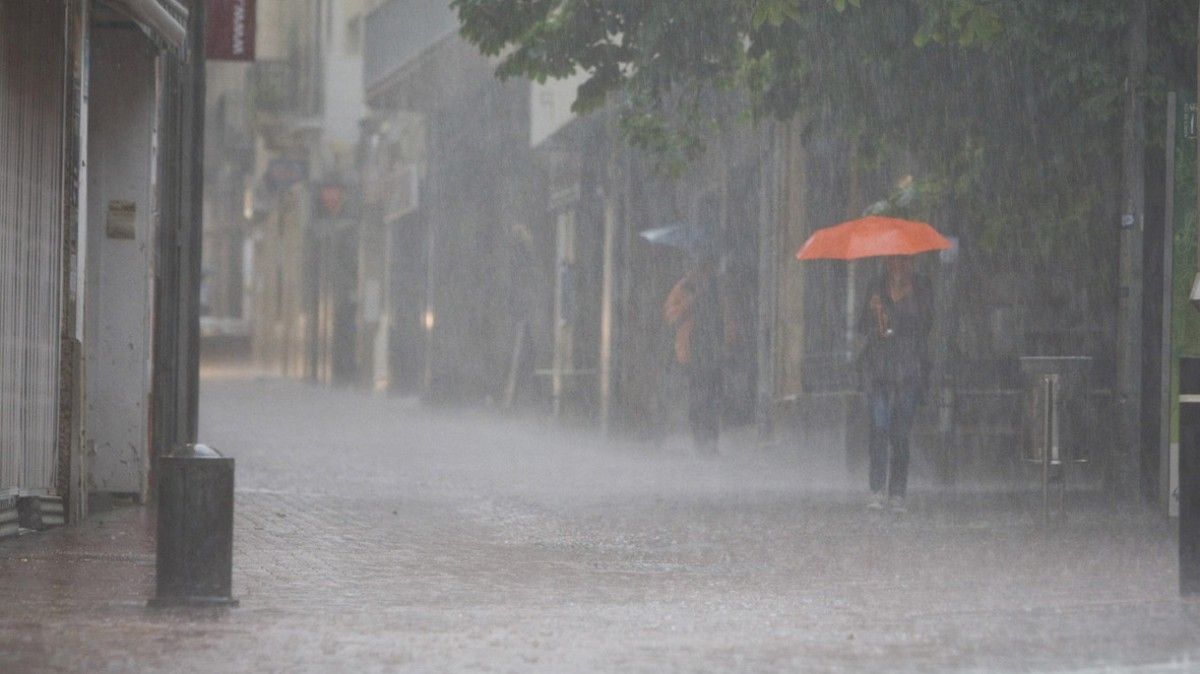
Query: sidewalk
point(375, 535)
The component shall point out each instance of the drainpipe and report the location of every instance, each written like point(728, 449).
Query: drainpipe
point(609, 271)
point(1124, 473)
point(1195, 294)
point(774, 142)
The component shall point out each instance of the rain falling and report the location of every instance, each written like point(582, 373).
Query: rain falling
point(597, 335)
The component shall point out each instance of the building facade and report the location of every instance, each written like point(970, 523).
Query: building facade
point(94, 330)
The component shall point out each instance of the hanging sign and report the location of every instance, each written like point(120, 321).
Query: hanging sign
point(229, 30)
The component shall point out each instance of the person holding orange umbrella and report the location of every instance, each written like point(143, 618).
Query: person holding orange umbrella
point(896, 320)
point(895, 324)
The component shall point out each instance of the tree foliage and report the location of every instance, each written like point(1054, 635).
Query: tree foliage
point(1008, 113)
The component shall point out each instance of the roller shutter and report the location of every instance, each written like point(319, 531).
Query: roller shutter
point(31, 246)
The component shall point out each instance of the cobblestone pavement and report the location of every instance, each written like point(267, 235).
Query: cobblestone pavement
point(375, 535)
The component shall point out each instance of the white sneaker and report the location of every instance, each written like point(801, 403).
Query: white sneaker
point(877, 501)
point(896, 505)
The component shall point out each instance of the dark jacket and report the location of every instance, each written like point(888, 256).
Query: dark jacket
point(899, 357)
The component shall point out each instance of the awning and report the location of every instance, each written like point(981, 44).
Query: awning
point(397, 33)
point(165, 20)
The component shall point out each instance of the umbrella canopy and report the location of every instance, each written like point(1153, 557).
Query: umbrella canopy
point(872, 236)
point(694, 240)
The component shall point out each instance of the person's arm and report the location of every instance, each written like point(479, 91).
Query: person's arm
point(924, 292)
point(730, 324)
point(679, 302)
point(867, 328)
point(924, 295)
point(866, 334)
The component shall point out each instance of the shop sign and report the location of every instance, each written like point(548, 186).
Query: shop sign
point(229, 30)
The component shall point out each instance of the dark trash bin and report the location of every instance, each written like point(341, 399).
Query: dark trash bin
point(195, 528)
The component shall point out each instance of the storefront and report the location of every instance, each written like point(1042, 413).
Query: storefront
point(82, 95)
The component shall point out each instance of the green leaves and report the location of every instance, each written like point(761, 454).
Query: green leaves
point(775, 12)
point(659, 58)
point(1007, 112)
point(963, 22)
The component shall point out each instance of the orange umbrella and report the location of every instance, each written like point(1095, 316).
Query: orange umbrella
point(872, 236)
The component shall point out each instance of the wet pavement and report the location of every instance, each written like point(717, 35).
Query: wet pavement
point(375, 535)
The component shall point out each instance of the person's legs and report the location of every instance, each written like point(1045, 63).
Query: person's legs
point(712, 410)
point(904, 410)
point(696, 404)
point(879, 408)
point(704, 408)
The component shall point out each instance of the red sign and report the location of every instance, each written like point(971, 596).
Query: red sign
point(229, 30)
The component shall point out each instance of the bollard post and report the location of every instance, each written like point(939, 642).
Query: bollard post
point(1189, 476)
point(194, 561)
point(1049, 419)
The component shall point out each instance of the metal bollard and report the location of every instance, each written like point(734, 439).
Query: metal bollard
point(1189, 476)
point(194, 564)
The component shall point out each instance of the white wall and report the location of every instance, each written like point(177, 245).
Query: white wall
point(119, 254)
point(550, 106)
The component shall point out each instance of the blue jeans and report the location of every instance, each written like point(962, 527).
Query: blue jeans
point(893, 408)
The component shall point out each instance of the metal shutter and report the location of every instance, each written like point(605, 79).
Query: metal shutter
point(31, 229)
